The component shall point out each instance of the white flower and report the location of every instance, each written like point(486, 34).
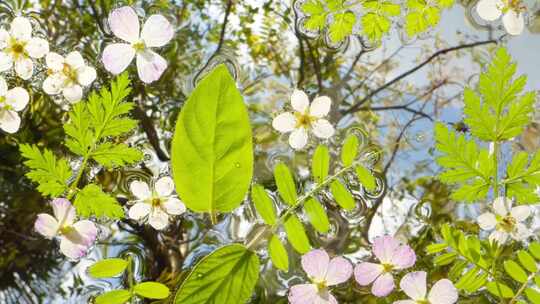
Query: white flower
point(506, 221)
point(68, 75)
point(75, 237)
point(414, 284)
point(512, 11)
point(11, 101)
point(157, 205)
point(304, 118)
point(18, 46)
point(156, 32)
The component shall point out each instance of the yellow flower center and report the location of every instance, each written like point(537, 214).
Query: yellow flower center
point(156, 202)
point(70, 73)
point(65, 230)
point(303, 120)
point(17, 48)
point(422, 302)
point(515, 5)
point(321, 285)
point(507, 224)
point(388, 267)
point(139, 46)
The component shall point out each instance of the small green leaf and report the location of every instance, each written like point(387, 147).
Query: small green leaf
point(527, 261)
point(107, 268)
point(533, 295)
point(320, 163)
point(278, 254)
point(366, 178)
point(120, 296)
point(316, 15)
point(342, 196)
point(436, 248)
point(285, 184)
point(534, 249)
point(116, 155)
point(212, 150)
point(342, 26)
point(494, 288)
point(91, 200)
point(227, 276)
point(151, 290)
point(296, 234)
point(349, 151)
point(263, 204)
point(317, 215)
point(515, 271)
point(445, 259)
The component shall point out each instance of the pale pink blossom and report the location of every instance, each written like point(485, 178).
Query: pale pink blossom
point(156, 32)
point(414, 285)
point(392, 256)
point(323, 273)
point(507, 221)
point(75, 237)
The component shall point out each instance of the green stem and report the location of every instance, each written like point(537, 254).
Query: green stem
point(73, 188)
point(130, 277)
point(496, 169)
point(522, 288)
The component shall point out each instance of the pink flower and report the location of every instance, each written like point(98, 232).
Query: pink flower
point(75, 237)
point(323, 273)
point(414, 285)
point(156, 32)
point(392, 256)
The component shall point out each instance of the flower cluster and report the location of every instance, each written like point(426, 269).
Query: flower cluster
point(512, 11)
point(392, 256)
point(506, 222)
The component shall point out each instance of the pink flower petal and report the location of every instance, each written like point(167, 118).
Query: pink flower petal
point(157, 31)
point(303, 294)
point(414, 285)
point(384, 248)
point(315, 264)
point(87, 231)
point(383, 285)
point(46, 225)
point(365, 273)
point(404, 302)
point(404, 257)
point(63, 211)
point(72, 250)
point(339, 271)
point(117, 56)
point(124, 24)
point(150, 66)
point(443, 292)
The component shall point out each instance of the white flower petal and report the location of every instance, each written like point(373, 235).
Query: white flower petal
point(6, 62)
point(174, 206)
point(158, 219)
point(157, 31)
point(73, 93)
point(86, 75)
point(72, 250)
point(521, 232)
point(3, 86)
point(502, 206)
point(323, 129)
point(298, 138)
point(75, 60)
point(284, 122)
point(87, 232)
point(164, 186)
point(17, 98)
point(21, 29)
point(46, 225)
point(513, 22)
point(489, 10)
point(63, 211)
point(139, 210)
point(54, 61)
point(9, 121)
point(140, 190)
point(117, 56)
point(24, 68)
point(413, 284)
point(53, 84)
point(150, 66)
point(520, 213)
point(498, 236)
point(124, 23)
point(443, 292)
point(299, 101)
point(4, 38)
point(320, 106)
point(487, 221)
point(37, 47)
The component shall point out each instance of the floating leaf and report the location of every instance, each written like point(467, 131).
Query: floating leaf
point(277, 253)
point(317, 215)
point(107, 268)
point(151, 290)
point(120, 296)
point(212, 150)
point(227, 276)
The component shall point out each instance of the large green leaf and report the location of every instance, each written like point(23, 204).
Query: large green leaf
point(107, 268)
point(226, 276)
point(212, 150)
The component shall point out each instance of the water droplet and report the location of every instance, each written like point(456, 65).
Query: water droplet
point(237, 165)
point(420, 137)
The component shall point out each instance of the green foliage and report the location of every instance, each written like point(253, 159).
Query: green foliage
point(341, 26)
point(296, 234)
point(349, 151)
point(465, 164)
point(263, 204)
point(523, 177)
point(320, 164)
point(50, 173)
point(285, 184)
point(119, 296)
point(212, 150)
point(525, 272)
point(342, 196)
point(317, 215)
point(91, 200)
point(366, 178)
point(376, 21)
point(277, 253)
point(107, 268)
point(227, 275)
point(151, 290)
point(422, 15)
point(93, 125)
